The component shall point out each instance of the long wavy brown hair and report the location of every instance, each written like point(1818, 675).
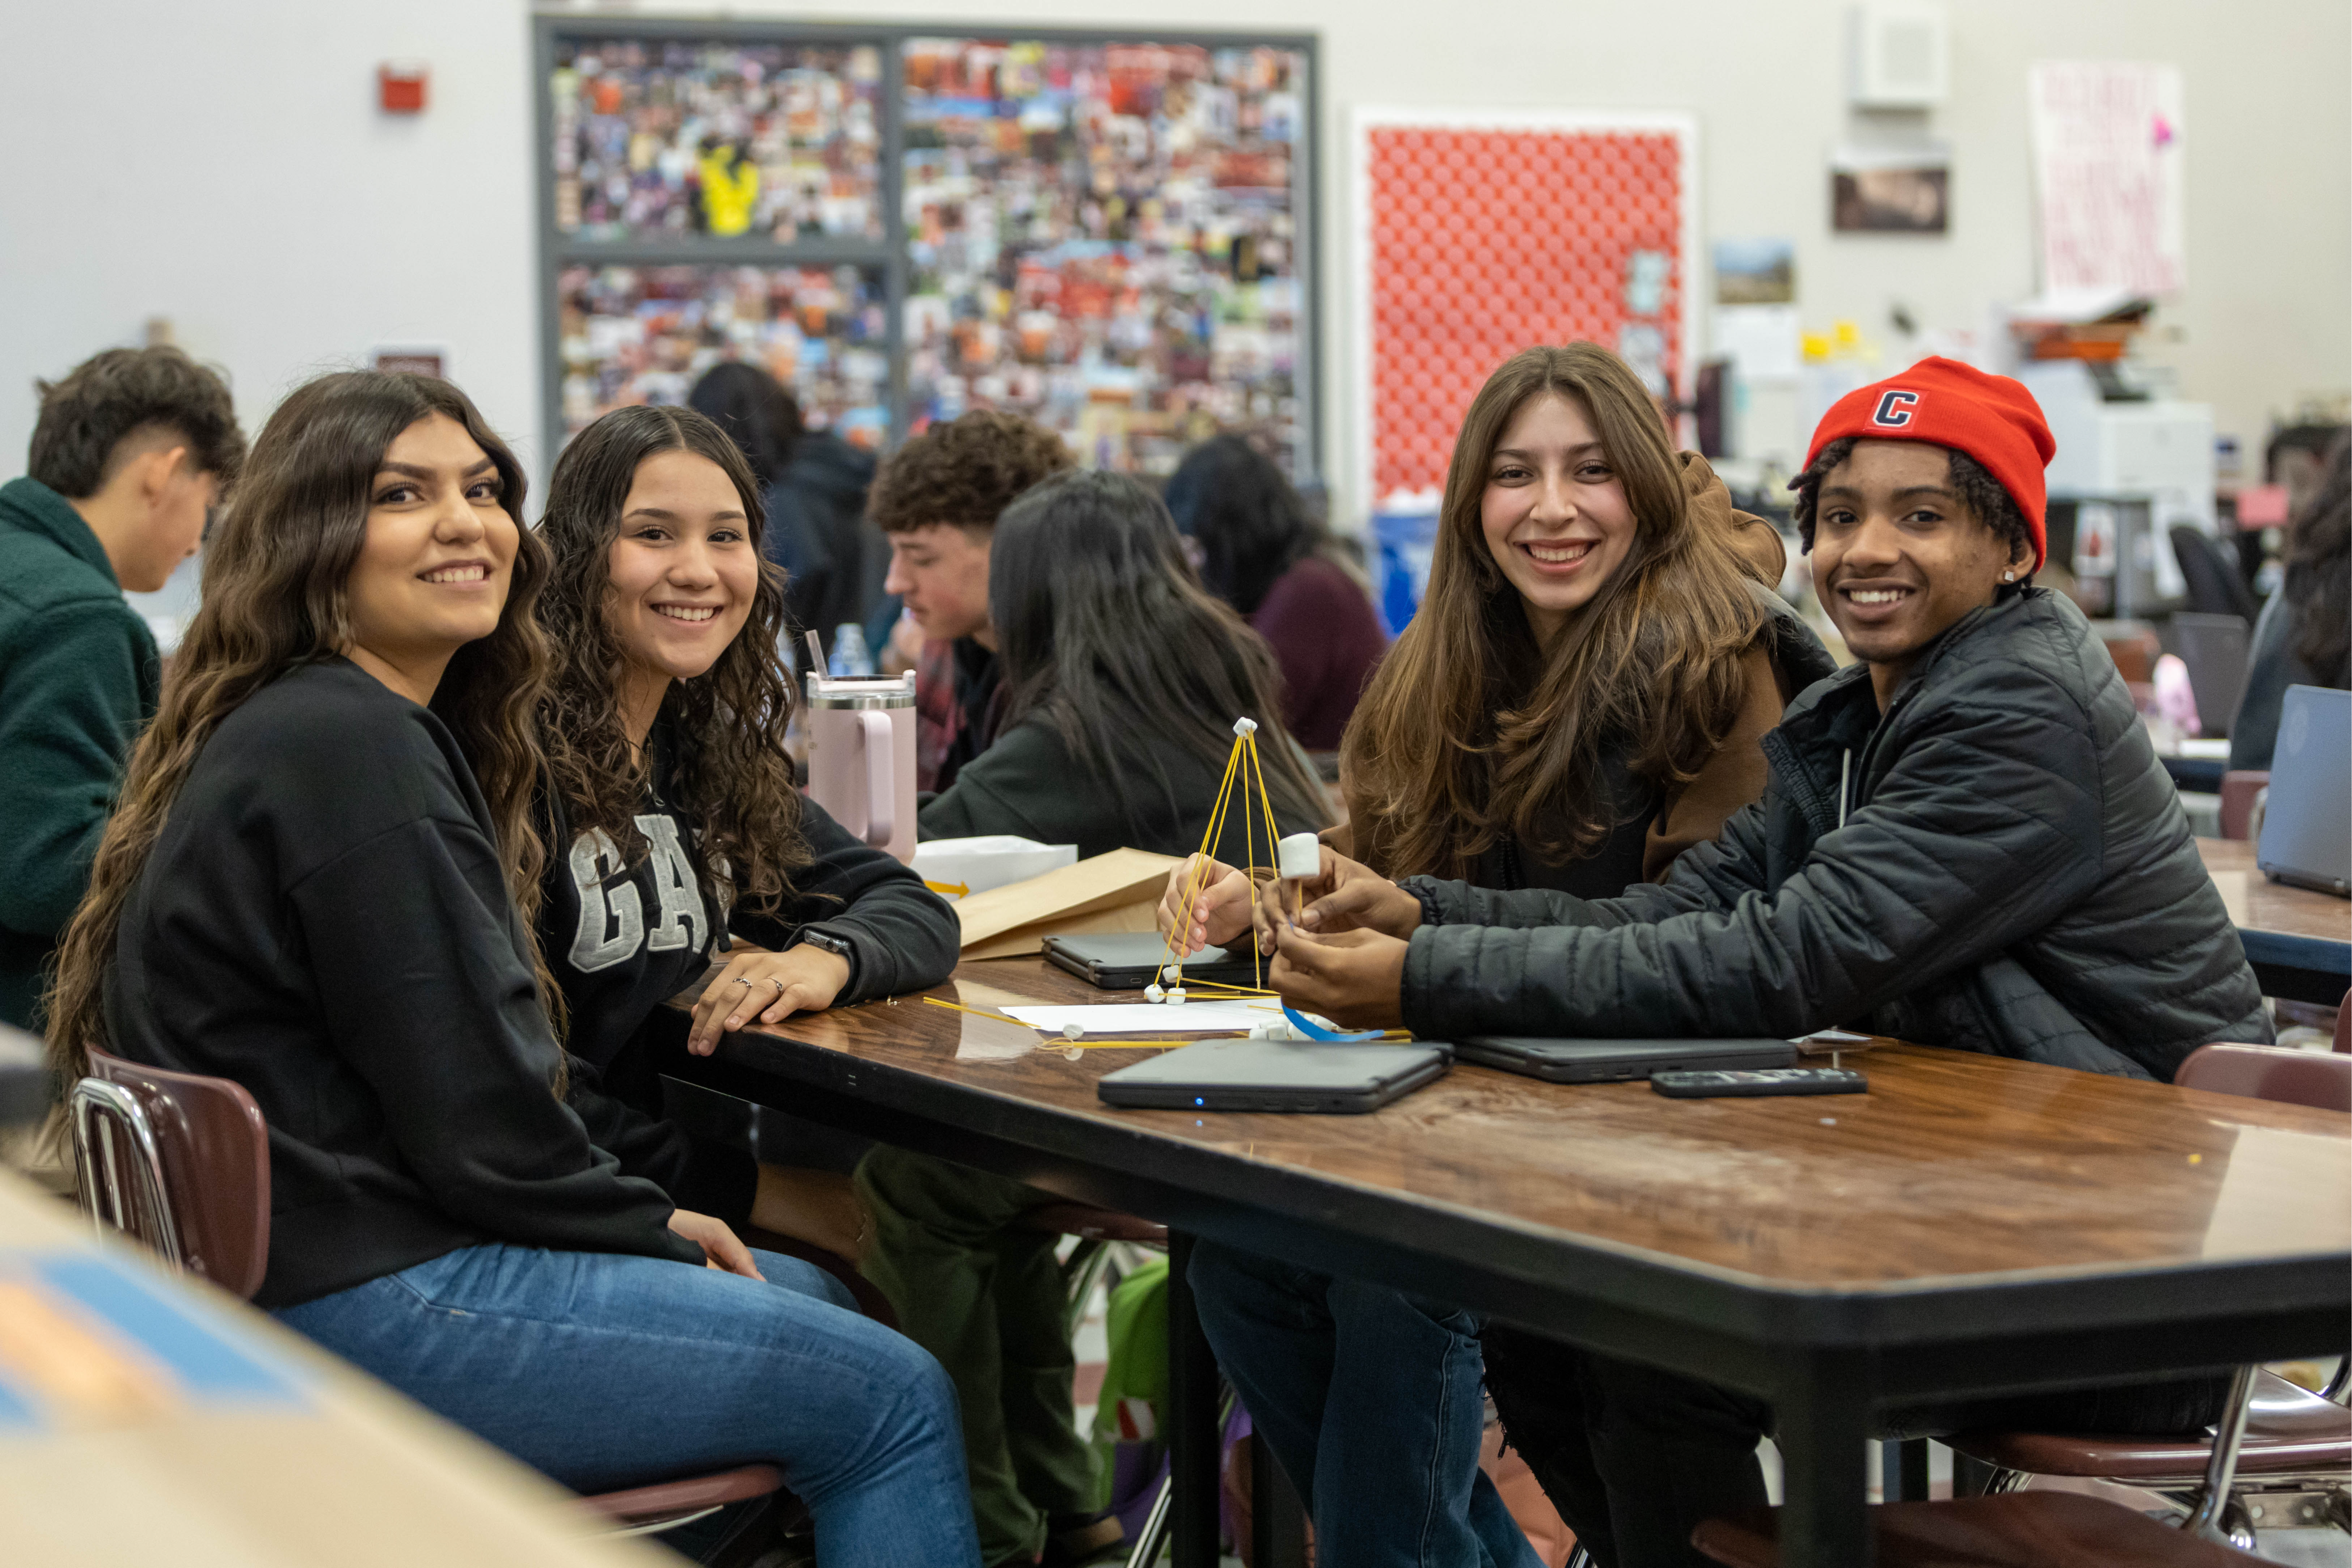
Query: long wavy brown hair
point(276, 572)
point(1470, 729)
point(729, 771)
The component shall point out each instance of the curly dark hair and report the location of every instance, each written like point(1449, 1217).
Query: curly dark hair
point(1983, 495)
point(966, 472)
point(86, 416)
point(277, 581)
point(729, 774)
point(2318, 585)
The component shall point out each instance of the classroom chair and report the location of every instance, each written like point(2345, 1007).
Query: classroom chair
point(2278, 1458)
point(2021, 1529)
point(1096, 1229)
point(2281, 1454)
point(2215, 586)
point(180, 1162)
point(2239, 788)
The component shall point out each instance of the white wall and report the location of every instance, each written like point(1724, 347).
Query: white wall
point(225, 167)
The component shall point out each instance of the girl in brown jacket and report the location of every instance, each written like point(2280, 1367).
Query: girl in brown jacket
point(1581, 698)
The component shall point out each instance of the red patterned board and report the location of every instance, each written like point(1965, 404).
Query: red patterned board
point(1480, 239)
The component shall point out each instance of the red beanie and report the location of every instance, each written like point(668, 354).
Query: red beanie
point(1990, 417)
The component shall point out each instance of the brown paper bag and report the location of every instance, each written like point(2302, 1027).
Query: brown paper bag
point(1118, 891)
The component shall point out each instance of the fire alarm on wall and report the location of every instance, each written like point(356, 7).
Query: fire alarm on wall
point(400, 87)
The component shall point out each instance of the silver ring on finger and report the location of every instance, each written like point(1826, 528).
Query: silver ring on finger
point(778, 985)
point(743, 983)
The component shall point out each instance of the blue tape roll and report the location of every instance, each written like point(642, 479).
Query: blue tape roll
point(1316, 1032)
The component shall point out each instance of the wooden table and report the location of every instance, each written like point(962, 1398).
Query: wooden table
point(1971, 1226)
point(147, 1420)
point(2299, 942)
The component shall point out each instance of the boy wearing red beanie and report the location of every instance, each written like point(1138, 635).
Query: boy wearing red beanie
point(1966, 841)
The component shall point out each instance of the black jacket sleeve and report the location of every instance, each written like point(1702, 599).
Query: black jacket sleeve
point(426, 996)
point(1986, 827)
point(903, 936)
point(1709, 876)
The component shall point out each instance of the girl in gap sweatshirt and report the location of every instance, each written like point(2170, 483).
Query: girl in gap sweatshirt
point(309, 888)
point(671, 813)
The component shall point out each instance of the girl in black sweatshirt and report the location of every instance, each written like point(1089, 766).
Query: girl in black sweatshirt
point(671, 813)
point(310, 887)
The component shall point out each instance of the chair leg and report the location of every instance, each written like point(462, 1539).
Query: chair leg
point(2208, 1520)
point(1152, 1539)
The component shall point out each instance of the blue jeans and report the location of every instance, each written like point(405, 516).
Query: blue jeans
point(1371, 1400)
point(607, 1371)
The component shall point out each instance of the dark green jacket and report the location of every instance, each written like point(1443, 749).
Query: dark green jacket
point(79, 679)
point(1028, 785)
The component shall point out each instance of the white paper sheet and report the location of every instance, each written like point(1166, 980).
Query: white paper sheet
point(1227, 1015)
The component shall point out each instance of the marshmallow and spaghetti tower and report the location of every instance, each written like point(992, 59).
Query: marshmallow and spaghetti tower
point(1245, 774)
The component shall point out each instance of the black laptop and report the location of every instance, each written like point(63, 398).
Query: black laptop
point(1127, 959)
point(1613, 1061)
point(1328, 1076)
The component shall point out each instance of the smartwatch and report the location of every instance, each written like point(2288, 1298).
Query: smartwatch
point(825, 942)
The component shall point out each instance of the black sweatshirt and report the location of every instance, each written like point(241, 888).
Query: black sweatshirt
point(622, 939)
point(324, 921)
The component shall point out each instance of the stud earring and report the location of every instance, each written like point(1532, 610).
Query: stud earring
point(2009, 576)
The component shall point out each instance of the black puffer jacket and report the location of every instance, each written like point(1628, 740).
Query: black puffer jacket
point(2013, 875)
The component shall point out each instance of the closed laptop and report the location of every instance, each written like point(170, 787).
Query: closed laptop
point(1615, 1061)
point(2307, 825)
point(1127, 959)
point(1328, 1076)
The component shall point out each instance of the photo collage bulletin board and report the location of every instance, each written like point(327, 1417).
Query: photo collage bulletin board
point(1561, 225)
point(1109, 234)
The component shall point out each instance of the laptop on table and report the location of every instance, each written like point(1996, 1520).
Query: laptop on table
point(1616, 1061)
point(2308, 825)
point(1326, 1077)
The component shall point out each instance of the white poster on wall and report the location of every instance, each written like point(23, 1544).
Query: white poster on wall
point(2109, 162)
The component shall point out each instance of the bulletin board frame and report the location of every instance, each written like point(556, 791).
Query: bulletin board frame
point(889, 255)
point(1363, 344)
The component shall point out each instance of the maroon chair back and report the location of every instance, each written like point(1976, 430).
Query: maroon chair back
point(214, 1147)
point(2271, 1072)
point(2239, 788)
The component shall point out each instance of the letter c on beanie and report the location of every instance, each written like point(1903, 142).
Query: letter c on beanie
point(1947, 404)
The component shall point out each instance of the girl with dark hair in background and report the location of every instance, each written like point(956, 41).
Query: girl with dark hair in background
point(2305, 635)
point(815, 484)
point(1260, 552)
point(317, 885)
point(672, 814)
point(1123, 680)
point(1582, 696)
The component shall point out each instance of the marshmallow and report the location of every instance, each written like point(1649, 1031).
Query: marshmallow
point(1300, 855)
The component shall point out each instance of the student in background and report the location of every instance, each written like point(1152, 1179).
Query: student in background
point(2305, 635)
point(1967, 842)
point(1259, 551)
point(672, 815)
point(128, 453)
point(815, 485)
point(1122, 681)
point(310, 888)
point(1581, 697)
point(936, 501)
